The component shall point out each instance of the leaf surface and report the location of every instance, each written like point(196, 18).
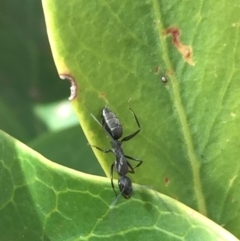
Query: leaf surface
point(41, 200)
point(116, 50)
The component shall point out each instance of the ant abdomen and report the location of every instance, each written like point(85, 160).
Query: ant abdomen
point(111, 123)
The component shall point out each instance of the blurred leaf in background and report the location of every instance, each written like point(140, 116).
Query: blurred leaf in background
point(27, 74)
point(34, 106)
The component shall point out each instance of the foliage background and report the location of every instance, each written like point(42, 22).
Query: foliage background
point(31, 92)
point(34, 106)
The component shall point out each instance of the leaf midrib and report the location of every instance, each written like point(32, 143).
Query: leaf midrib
point(195, 164)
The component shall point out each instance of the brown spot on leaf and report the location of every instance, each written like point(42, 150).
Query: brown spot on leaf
point(102, 95)
point(166, 180)
point(170, 73)
point(185, 51)
point(156, 70)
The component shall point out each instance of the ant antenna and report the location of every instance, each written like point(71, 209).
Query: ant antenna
point(129, 100)
point(93, 116)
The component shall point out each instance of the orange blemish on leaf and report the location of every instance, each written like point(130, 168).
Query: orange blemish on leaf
point(102, 95)
point(170, 73)
point(185, 51)
point(166, 181)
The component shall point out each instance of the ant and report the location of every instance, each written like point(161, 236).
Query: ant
point(113, 127)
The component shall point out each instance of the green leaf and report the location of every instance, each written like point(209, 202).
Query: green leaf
point(116, 50)
point(41, 200)
point(57, 115)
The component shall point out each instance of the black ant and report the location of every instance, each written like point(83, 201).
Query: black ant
point(111, 124)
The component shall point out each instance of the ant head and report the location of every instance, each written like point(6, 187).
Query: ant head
point(105, 110)
point(125, 186)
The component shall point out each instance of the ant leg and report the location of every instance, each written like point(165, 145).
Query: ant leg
point(111, 176)
point(134, 159)
point(100, 149)
point(127, 138)
point(131, 170)
point(135, 116)
point(139, 127)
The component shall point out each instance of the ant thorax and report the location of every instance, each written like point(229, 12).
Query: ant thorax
point(117, 149)
point(116, 144)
